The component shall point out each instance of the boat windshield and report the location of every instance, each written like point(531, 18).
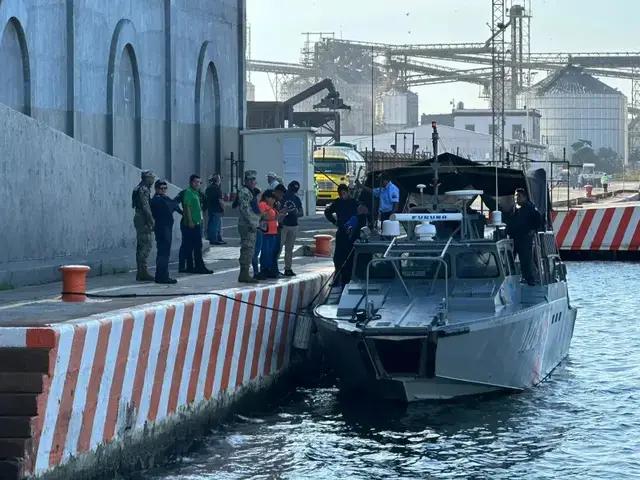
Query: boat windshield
point(424, 269)
point(377, 271)
point(477, 264)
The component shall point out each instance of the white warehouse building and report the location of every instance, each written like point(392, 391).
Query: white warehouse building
point(518, 124)
point(577, 106)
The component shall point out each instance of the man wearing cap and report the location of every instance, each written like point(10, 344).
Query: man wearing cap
point(272, 180)
point(144, 224)
point(248, 221)
point(293, 206)
point(216, 210)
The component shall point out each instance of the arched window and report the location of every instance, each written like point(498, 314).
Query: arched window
point(15, 81)
point(208, 106)
point(124, 124)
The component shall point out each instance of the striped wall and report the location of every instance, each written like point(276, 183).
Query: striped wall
point(112, 375)
point(608, 228)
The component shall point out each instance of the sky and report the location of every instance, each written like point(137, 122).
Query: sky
point(570, 26)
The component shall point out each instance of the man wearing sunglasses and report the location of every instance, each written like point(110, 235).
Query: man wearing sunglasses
point(162, 208)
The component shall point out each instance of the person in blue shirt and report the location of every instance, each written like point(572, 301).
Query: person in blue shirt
point(291, 202)
point(388, 195)
point(340, 212)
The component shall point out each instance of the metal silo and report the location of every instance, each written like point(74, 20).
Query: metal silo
point(577, 106)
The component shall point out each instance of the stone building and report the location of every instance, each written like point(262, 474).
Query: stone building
point(156, 83)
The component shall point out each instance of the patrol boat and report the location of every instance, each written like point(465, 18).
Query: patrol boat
point(440, 312)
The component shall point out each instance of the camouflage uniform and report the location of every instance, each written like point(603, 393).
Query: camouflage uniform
point(143, 222)
point(248, 222)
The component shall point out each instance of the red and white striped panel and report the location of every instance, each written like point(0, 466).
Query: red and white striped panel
point(115, 373)
point(606, 228)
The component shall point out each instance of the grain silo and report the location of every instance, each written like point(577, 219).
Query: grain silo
point(577, 106)
point(400, 109)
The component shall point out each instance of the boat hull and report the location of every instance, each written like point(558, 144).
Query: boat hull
point(509, 353)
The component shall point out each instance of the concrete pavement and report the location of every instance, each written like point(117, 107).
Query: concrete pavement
point(223, 260)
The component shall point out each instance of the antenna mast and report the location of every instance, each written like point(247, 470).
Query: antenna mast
point(436, 180)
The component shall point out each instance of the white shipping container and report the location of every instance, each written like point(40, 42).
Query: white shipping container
point(288, 152)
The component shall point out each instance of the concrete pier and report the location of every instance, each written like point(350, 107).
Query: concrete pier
point(111, 384)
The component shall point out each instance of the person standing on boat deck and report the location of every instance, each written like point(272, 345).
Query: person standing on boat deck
point(521, 227)
point(388, 195)
point(340, 213)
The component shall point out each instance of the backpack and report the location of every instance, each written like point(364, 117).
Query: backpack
point(236, 201)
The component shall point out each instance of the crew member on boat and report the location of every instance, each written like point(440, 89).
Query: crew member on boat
point(388, 194)
point(522, 225)
point(340, 212)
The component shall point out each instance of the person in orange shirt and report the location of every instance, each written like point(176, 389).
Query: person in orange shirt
point(269, 227)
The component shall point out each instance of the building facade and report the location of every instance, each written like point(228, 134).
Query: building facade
point(158, 84)
point(521, 125)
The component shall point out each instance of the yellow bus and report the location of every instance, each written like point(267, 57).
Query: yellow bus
point(333, 165)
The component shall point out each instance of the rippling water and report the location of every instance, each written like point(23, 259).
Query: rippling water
point(581, 423)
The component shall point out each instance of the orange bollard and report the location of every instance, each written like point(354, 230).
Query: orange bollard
point(323, 245)
point(74, 279)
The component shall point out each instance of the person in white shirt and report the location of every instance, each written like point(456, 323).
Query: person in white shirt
point(272, 180)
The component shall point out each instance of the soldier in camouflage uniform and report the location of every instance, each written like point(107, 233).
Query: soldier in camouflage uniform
point(248, 221)
point(144, 224)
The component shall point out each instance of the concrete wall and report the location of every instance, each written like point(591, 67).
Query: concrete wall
point(609, 228)
point(159, 84)
point(61, 197)
point(111, 393)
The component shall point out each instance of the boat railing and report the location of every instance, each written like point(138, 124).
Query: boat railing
point(429, 258)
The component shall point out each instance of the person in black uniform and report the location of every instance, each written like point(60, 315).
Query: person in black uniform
point(339, 212)
point(279, 192)
point(162, 208)
point(522, 225)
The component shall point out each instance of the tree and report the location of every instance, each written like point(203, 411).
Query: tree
point(606, 160)
point(583, 153)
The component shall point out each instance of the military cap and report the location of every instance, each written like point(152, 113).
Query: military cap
point(250, 175)
point(272, 175)
point(146, 173)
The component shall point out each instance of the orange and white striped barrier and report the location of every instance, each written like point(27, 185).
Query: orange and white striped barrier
point(615, 228)
point(115, 376)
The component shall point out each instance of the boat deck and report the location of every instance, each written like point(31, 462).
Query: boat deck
point(400, 311)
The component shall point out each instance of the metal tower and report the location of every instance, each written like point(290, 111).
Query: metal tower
point(497, 78)
point(520, 59)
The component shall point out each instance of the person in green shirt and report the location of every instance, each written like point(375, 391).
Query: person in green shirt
point(192, 218)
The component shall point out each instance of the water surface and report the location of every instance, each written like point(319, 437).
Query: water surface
point(582, 423)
